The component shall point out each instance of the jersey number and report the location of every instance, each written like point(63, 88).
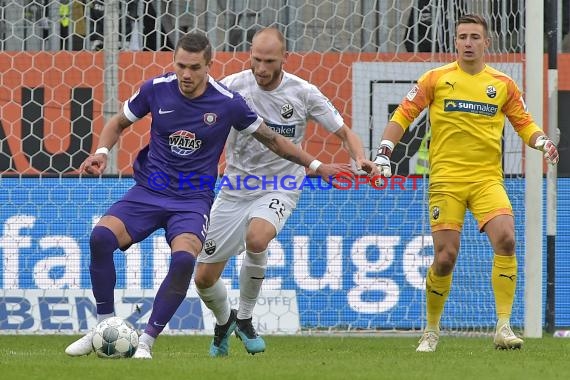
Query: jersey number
point(277, 206)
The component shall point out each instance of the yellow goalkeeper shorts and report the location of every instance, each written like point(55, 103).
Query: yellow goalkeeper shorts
point(449, 201)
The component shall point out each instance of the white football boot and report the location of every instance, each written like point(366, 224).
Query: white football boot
point(505, 338)
point(428, 342)
point(82, 346)
point(143, 351)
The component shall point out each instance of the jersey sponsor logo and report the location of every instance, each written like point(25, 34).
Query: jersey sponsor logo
point(210, 118)
point(184, 143)
point(456, 105)
point(287, 111)
point(491, 91)
point(412, 93)
point(283, 130)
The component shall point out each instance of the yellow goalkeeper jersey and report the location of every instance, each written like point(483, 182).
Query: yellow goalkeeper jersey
point(467, 115)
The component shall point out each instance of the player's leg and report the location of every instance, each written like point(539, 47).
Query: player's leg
point(172, 291)
point(494, 214)
point(107, 236)
point(447, 212)
point(503, 278)
point(185, 233)
point(212, 290)
point(438, 285)
point(267, 218)
point(252, 273)
point(225, 239)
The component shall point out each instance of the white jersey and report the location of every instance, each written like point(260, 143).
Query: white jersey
point(251, 167)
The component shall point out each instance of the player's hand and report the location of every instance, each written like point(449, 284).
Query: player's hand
point(382, 162)
point(329, 172)
point(94, 164)
point(546, 146)
point(368, 166)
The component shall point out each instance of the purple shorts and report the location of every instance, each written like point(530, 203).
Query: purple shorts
point(144, 211)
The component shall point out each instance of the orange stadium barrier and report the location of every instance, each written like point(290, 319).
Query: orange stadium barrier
point(51, 89)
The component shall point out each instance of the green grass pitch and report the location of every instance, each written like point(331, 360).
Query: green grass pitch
point(292, 357)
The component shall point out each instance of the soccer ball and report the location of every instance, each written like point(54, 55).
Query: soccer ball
point(115, 338)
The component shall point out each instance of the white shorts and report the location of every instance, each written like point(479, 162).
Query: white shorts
point(229, 220)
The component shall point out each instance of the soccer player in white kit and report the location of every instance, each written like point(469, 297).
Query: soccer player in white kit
point(255, 200)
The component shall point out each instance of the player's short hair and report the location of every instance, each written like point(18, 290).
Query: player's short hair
point(195, 42)
point(276, 32)
point(473, 19)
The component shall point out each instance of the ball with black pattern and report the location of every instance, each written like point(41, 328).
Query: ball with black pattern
point(115, 338)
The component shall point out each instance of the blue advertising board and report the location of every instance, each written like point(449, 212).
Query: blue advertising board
point(355, 258)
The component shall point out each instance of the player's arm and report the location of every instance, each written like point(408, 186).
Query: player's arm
point(417, 99)
point(392, 135)
point(352, 143)
point(97, 162)
point(516, 111)
point(534, 137)
point(284, 148)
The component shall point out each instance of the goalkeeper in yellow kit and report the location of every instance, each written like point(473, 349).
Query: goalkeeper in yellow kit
point(468, 102)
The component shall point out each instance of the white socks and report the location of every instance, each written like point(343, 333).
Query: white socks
point(147, 339)
point(102, 317)
point(251, 278)
point(216, 299)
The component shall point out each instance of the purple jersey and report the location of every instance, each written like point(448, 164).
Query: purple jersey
point(187, 136)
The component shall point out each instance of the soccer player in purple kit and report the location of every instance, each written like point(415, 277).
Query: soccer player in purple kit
point(192, 115)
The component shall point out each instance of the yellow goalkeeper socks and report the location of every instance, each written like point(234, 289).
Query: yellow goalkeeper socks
point(437, 291)
point(504, 281)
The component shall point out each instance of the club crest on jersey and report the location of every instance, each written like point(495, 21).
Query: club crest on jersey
point(435, 213)
point(491, 91)
point(209, 246)
point(210, 118)
point(287, 110)
point(184, 143)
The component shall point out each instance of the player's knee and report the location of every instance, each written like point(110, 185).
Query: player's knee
point(102, 241)
point(203, 279)
point(259, 234)
point(256, 243)
point(506, 243)
point(444, 262)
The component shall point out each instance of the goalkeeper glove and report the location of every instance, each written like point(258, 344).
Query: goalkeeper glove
point(382, 160)
point(546, 146)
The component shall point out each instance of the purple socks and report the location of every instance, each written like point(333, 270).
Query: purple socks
point(102, 268)
point(172, 291)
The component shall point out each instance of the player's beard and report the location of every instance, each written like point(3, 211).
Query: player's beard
point(190, 89)
point(269, 82)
